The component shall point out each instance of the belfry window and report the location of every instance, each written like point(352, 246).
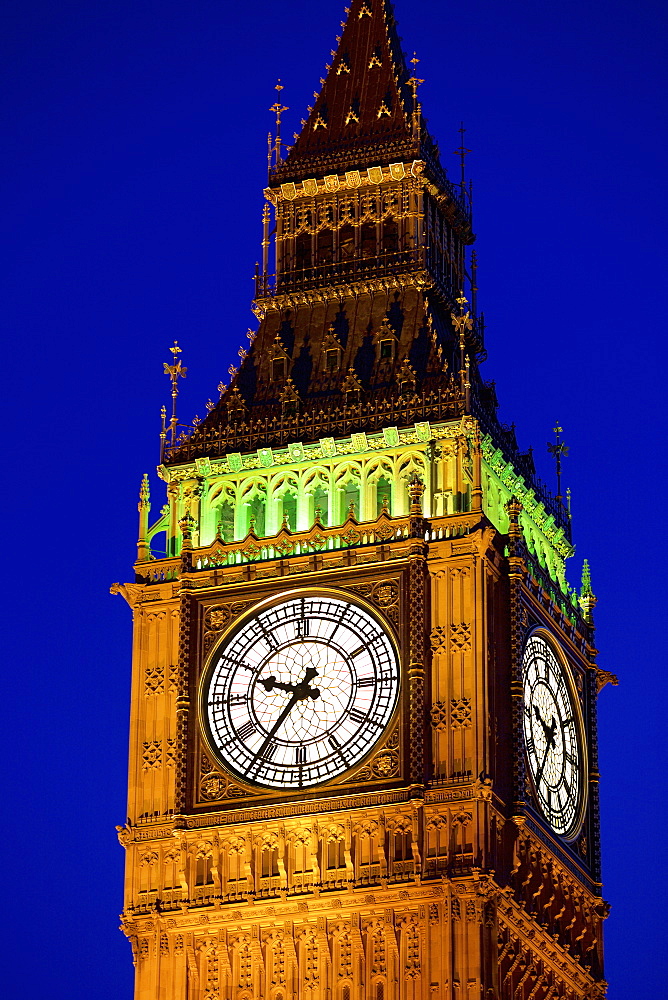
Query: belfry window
point(368, 239)
point(386, 350)
point(278, 369)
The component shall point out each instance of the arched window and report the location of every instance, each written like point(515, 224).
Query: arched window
point(368, 243)
point(269, 862)
point(383, 492)
point(226, 522)
point(351, 496)
point(324, 244)
point(203, 873)
point(303, 251)
point(390, 236)
point(346, 243)
point(335, 854)
point(403, 850)
point(290, 510)
point(256, 512)
point(320, 503)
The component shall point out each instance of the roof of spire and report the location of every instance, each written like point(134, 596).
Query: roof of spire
point(366, 99)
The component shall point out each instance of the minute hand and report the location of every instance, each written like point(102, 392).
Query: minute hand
point(279, 722)
point(549, 733)
point(300, 692)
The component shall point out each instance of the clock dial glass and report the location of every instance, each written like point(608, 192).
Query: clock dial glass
point(551, 736)
point(300, 692)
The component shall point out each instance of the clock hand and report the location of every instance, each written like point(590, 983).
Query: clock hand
point(269, 683)
point(300, 692)
point(549, 731)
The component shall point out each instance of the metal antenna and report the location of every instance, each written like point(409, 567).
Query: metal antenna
point(558, 449)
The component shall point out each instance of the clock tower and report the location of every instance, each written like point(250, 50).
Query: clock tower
point(363, 751)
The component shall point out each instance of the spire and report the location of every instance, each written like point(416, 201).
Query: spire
point(365, 100)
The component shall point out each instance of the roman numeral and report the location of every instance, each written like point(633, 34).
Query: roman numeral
point(335, 745)
point(238, 699)
point(531, 749)
point(303, 627)
point(270, 640)
point(357, 716)
point(269, 750)
point(366, 682)
point(246, 730)
point(357, 652)
point(300, 755)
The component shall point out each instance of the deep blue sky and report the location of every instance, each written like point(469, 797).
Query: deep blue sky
point(134, 138)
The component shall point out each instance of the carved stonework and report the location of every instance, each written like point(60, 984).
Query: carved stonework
point(460, 713)
point(154, 680)
point(439, 639)
point(215, 786)
point(439, 716)
point(217, 618)
point(384, 594)
point(460, 637)
point(152, 755)
point(385, 764)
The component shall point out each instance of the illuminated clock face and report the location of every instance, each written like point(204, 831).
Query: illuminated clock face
point(300, 692)
point(551, 736)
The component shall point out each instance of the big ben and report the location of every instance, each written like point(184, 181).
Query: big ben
point(363, 751)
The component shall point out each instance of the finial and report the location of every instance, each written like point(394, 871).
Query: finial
point(415, 492)
point(278, 108)
point(568, 502)
point(285, 526)
point(144, 493)
point(587, 598)
point(187, 526)
point(351, 509)
point(474, 281)
point(317, 516)
point(558, 449)
point(462, 153)
point(221, 388)
point(585, 590)
point(385, 506)
point(174, 371)
point(414, 83)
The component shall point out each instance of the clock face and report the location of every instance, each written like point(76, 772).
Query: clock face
point(300, 692)
point(551, 736)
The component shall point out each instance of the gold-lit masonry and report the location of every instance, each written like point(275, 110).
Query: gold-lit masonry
point(356, 456)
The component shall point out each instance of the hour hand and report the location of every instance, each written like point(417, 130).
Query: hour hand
point(548, 730)
point(269, 683)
